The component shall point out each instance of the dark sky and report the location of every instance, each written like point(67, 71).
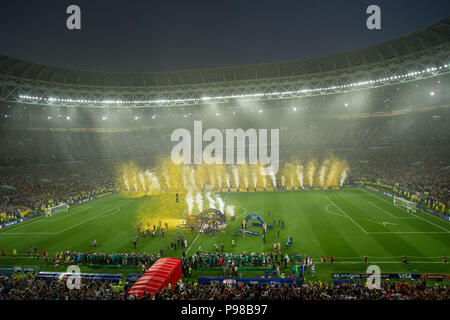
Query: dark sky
point(144, 35)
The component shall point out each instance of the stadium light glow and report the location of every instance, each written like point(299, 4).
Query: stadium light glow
point(238, 96)
point(432, 93)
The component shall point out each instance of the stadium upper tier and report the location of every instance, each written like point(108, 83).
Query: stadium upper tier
point(418, 55)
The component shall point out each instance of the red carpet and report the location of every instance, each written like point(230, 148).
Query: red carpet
point(158, 276)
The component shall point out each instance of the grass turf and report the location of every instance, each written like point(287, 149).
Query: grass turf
point(346, 223)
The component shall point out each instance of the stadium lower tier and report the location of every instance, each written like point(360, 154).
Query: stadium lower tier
point(19, 288)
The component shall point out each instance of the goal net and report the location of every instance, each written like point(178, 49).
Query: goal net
point(58, 208)
point(408, 205)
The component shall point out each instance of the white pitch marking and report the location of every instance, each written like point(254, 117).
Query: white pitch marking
point(192, 243)
point(101, 215)
point(334, 213)
point(362, 229)
point(382, 210)
point(411, 213)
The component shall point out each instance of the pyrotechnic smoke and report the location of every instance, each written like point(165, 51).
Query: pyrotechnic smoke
point(142, 180)
point(185, 178)
point(343, 177)
point(229, 211)
point(182, 178)
point(311, 169)
point(219, 178)
point(322, 171)
point(189, 202)
point(300, 175)
point(135, 184)
point(125, 181)
point(210, 200)
point(166, 177)
point(220, 203)
point(263, 174)
point(332, 174)
point(154, 181)
point(219, 171)
point(272, 176)
point(236, 176)
point(192, 180)
point(199, 200)
point(213, 182)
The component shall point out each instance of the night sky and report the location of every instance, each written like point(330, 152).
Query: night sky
point(139, 35)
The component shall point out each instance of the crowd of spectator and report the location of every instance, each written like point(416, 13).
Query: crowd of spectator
point(98, 258)
point(30, 190)
point(305, 291)
point(28, 288)
point(422, 170)
point(45, 166)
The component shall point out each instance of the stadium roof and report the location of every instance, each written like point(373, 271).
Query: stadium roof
point(411, 43)
point(423, 49)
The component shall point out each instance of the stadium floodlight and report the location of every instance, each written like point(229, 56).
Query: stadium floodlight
point(294, 108)
point(67, 118)
point(260, 111)
point(432, 93)
point(346, 104)
point(104, 117)
point(238, 96)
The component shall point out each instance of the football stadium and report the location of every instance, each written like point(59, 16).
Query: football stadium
point(308, 179)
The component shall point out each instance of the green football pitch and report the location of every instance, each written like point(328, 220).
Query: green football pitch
point(348, 224)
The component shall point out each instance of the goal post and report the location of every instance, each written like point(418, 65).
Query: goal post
point(410, 206)
point(58, 208)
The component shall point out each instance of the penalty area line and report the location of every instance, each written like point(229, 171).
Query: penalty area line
point(426, 220)
point(362, 229)
point(192, 243)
